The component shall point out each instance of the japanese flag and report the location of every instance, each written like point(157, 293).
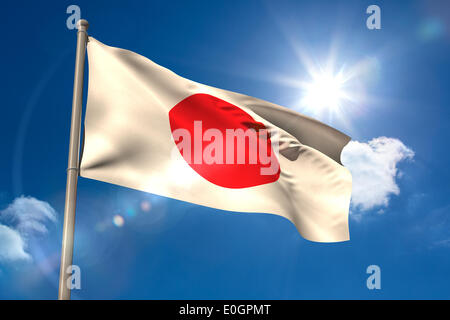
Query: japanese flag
point(149, 129)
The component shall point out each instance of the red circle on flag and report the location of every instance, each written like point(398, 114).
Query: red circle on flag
point(223, 143)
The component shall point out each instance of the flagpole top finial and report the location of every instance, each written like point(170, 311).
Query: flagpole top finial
point(82, 25)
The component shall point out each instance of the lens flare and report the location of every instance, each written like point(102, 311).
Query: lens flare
point(118, 221)
point(130, 212)
point(146, 206)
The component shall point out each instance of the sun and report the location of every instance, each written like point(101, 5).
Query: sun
point(325, 91)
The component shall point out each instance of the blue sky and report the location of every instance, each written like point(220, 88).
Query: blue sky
point(400, 216)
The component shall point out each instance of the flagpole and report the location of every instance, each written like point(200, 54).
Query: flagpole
point(73, 166)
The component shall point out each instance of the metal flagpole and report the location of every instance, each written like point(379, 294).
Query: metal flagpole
point(73, 167)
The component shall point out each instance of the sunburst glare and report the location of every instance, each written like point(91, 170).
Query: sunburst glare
point(329, 92)
point(325, 91)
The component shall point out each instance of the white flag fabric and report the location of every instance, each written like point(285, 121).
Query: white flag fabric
point(138, 122)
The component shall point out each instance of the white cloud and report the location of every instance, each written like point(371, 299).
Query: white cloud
point(23, 218)
point(374, 170)
point(29, 215)
point(12, 246)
